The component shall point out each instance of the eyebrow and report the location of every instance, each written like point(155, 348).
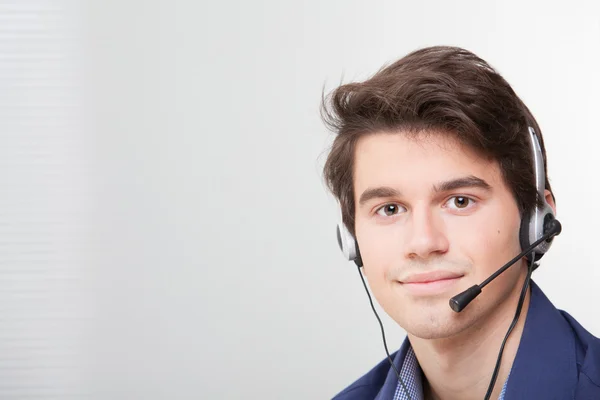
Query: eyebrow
point(470, 181)
point(377, 193)
point(453, 184)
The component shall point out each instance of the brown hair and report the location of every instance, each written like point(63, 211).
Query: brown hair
point(437, 88)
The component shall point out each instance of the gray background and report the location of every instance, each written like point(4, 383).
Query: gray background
point(164, 229)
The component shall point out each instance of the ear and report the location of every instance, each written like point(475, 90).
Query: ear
point(550, 200)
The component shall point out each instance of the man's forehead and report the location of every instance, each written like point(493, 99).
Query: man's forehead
point(386, 158)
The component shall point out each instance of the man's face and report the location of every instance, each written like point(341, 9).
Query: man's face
point(433, 218)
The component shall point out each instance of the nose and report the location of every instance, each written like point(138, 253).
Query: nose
point(426, 237)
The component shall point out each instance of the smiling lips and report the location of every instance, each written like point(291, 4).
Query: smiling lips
point(430, 282)
point(428, 277)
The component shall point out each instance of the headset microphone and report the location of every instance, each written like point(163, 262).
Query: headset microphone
point(551, 228)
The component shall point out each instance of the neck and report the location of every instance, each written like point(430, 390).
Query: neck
point(460, 367)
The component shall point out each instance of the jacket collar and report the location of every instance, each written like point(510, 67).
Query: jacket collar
point(545, 366)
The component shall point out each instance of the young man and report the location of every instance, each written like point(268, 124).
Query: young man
point(435, 165)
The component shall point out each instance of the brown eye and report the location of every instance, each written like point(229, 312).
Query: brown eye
point(461, 202)
point(390, 209)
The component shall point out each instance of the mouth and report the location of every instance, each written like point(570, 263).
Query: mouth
point(430, 284)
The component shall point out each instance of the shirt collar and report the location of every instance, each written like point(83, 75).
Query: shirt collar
point(391, 381)
point(411, 375)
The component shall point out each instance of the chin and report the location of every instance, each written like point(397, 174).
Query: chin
point(436, 322)
point(442, 331)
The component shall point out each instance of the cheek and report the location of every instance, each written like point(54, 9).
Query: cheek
point(491, 242)
point(380, 253)
point(379, 250)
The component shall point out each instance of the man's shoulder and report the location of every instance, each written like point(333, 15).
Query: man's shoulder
point(588, 350)
point(368, 385)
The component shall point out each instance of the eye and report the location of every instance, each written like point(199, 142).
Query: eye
point(390, 209)
point(459, 202)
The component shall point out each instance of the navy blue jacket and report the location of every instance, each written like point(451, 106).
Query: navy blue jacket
point(557, 359)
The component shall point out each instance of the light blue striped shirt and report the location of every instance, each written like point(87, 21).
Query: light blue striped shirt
point(411, 376)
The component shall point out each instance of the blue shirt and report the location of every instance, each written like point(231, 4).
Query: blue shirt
point(557, 359)
point(411, 376)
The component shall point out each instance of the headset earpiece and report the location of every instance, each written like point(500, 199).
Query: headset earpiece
point(348, 244)
point(533, 222)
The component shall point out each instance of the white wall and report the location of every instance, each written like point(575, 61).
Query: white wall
point(43, 191)
point(211, 251)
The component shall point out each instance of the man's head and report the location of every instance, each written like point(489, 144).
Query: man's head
point(433, 169)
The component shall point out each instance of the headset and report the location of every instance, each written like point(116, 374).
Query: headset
point(532, 222)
